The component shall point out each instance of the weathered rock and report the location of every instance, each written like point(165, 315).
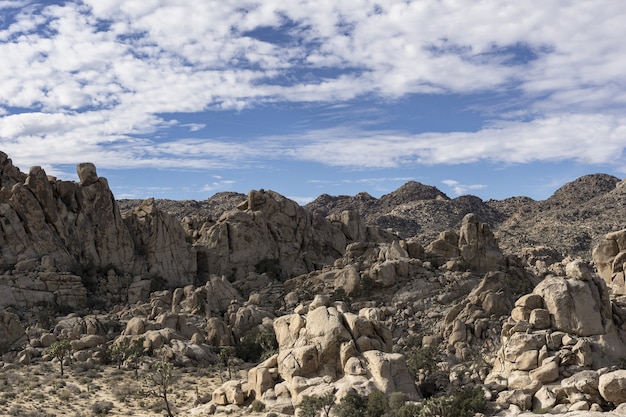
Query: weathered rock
point(11, 331)
point(579, 307)
point(161, 240)
point(478, 246)
point(390, 373)
point(547, 372)
point(270, 232)
point(612, 386)
point(609, 256)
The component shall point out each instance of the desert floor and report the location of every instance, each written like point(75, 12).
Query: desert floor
point(39, 390)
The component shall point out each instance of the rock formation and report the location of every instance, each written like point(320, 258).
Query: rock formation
point(610, 257)
point(269, 233)
point(558, 342)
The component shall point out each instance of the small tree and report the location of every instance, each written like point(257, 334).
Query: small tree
point(226, 360)
point(60, 350)
point(352, 405)
point(129, 351)
point(311, 406)
point(377, 404)
point(160, 380)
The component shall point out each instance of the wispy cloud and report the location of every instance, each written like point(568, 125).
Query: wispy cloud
point(462, 189)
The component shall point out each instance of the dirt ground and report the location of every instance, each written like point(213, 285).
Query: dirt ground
point(39, 390)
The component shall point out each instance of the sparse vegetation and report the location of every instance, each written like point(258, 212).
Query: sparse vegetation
point(269, 266)
point(60, 350)
point(313, 406)
point(257, 344)
point(160, 381)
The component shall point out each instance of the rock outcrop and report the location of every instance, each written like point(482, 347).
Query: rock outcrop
point(327, 348)
point(558, 342)
point(270, 233)
point(55, 234)
point(610, 257)
point(474, 247)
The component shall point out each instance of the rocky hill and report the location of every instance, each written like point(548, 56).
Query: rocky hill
point(571, 221)
point(412, 304)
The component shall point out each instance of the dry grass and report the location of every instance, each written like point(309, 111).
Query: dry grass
point(38, 390)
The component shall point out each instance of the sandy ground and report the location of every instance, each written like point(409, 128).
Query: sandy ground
point(39, 390)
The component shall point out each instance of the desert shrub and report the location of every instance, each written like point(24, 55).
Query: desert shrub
point(101, 408)
point(339, 294)
point(462, 403)
point(425, 358)
point(257, 406)
point(352, 405)
point(396, 400)
point(312, 406)
point(257, 344)
point(409, 410)
point(377, 404)
point(45, 318)
point(305, 293)
point(269, 266)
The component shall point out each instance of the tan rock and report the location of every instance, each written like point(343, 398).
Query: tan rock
point(578, 307)
point(612, 386)
point(390, 373)
point(540, 319)
point(546, 373)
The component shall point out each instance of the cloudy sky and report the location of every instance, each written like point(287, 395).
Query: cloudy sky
point(182, 99)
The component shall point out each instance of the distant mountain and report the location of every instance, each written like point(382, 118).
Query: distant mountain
point(570, 221)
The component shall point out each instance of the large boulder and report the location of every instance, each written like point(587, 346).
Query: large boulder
point(612, 386)
point(11, 331)
point(161, 240)
point(478, 246)
point(579, 307)
point(609, 256)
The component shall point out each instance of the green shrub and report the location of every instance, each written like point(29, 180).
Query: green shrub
point(463, 403)
point(257, 406)
point(257, 344)
point(269, 266)
point(352, 405)
point(101, 408)
point(425, 358)
point(377, 404)
point(312, 406)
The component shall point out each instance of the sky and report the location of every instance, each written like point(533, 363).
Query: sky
point(182, 99)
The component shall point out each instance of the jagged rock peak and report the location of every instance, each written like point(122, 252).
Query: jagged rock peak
point(9, 174)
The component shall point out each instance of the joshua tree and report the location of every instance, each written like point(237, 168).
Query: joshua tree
point(160, 381)
point(60, 350)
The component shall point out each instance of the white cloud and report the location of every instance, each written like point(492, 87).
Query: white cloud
point(462, 189)
point(91, 78)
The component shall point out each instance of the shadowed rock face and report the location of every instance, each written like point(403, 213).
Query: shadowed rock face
point(78, 228)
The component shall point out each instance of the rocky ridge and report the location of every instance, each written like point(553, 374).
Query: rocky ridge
point(346, 304)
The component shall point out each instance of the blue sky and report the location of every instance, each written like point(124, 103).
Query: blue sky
point(183, 99)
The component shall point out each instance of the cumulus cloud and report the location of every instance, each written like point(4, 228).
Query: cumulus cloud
point(96, 77)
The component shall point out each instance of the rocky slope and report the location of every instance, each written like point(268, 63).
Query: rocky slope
point(320, 300)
